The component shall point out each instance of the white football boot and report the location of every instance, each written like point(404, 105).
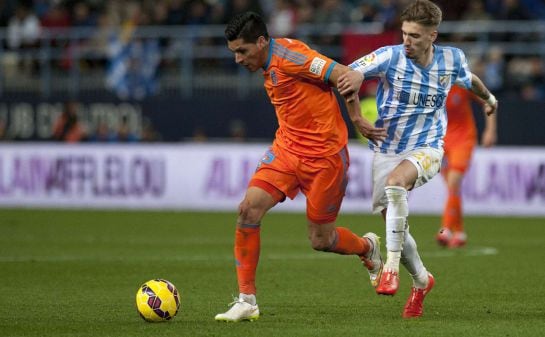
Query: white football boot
point(373, 262)
point(244, 308)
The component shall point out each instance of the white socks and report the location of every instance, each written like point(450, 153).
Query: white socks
point(399, 242)
point(412, 262)
point(396, 217)
point(248, 298)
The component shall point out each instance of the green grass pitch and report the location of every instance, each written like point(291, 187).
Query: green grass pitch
point(75, 273)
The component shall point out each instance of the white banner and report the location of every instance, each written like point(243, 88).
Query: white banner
point(501, 181)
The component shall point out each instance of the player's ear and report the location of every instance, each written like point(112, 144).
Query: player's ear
point(261, 42)
point(434, 36)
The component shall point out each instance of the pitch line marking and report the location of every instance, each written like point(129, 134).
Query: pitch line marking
point(444, 253)
point(468, 251)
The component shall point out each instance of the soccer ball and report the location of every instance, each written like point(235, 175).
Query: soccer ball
point(157, 300)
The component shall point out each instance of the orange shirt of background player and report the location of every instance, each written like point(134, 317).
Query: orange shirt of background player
point(309, 116)
point(461, 123)
point(72, 134)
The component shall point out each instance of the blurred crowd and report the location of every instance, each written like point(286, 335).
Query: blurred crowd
point(69, 128)
point(281, 14)
point(25, 19)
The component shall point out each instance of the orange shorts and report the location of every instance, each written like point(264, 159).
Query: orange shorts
point(322, 180)
point(458, 155)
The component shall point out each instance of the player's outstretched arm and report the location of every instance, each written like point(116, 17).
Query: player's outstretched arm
point(349, 83)
point(346, 80)
point(490, 135)
point(362, 125)
point(479, 89)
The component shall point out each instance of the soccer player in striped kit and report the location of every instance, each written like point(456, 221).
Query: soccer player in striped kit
point(414, 80)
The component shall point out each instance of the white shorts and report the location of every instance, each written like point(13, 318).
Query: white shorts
point(427, 161)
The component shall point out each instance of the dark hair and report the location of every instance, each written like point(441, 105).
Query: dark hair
point(248, 26)
point(423, 12)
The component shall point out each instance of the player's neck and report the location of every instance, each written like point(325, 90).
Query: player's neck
point(265, 53)
point(426, 59)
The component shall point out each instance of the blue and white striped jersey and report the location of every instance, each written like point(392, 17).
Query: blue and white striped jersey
point(410, 98)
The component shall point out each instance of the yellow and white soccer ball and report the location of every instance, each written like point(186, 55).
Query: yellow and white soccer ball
point(157, 300)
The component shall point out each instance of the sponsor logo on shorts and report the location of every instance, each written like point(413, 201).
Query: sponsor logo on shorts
point(267, 158)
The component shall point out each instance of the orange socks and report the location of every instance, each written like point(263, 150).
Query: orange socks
point(452, 215)
point(348, 243)
point(247, 246)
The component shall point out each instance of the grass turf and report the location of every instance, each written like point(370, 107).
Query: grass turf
point(75, 273)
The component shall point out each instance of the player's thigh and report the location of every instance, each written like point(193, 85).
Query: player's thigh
point(404, 175)
point(323, 181)
point(275, 174)
point(427, 162)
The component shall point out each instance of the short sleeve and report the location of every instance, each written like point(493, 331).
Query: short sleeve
point(298, 59)
point(464, 74)
point(374, 64)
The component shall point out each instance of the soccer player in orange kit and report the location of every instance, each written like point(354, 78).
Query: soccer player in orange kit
point(308, 154)
point(460, 140)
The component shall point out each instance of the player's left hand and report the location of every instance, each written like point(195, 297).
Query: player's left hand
point(369, 131)
point(490, 109)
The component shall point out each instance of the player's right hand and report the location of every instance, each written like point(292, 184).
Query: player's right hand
point(349, 84)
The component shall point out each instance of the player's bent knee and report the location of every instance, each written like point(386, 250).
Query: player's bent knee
point(395, 181)
point(320, 242)
point(249, 213)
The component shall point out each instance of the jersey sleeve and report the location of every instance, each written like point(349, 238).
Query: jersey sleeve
point(302, 61)
point(374, 64)
point(463, 77)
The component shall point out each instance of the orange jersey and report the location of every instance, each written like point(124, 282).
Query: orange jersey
point(309, 116)
point(461, 123)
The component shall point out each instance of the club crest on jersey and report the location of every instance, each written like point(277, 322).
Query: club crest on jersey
point(274, 78)
point(444, 80)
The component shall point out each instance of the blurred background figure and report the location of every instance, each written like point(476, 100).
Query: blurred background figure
point(124, 133)
point(103, 133)
point(199, 135)
point(149, 133)
point(460, 140)
point(237, 130)
point(283, 20)
point(67, 127)
point(22, 36)
point(3, 130)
